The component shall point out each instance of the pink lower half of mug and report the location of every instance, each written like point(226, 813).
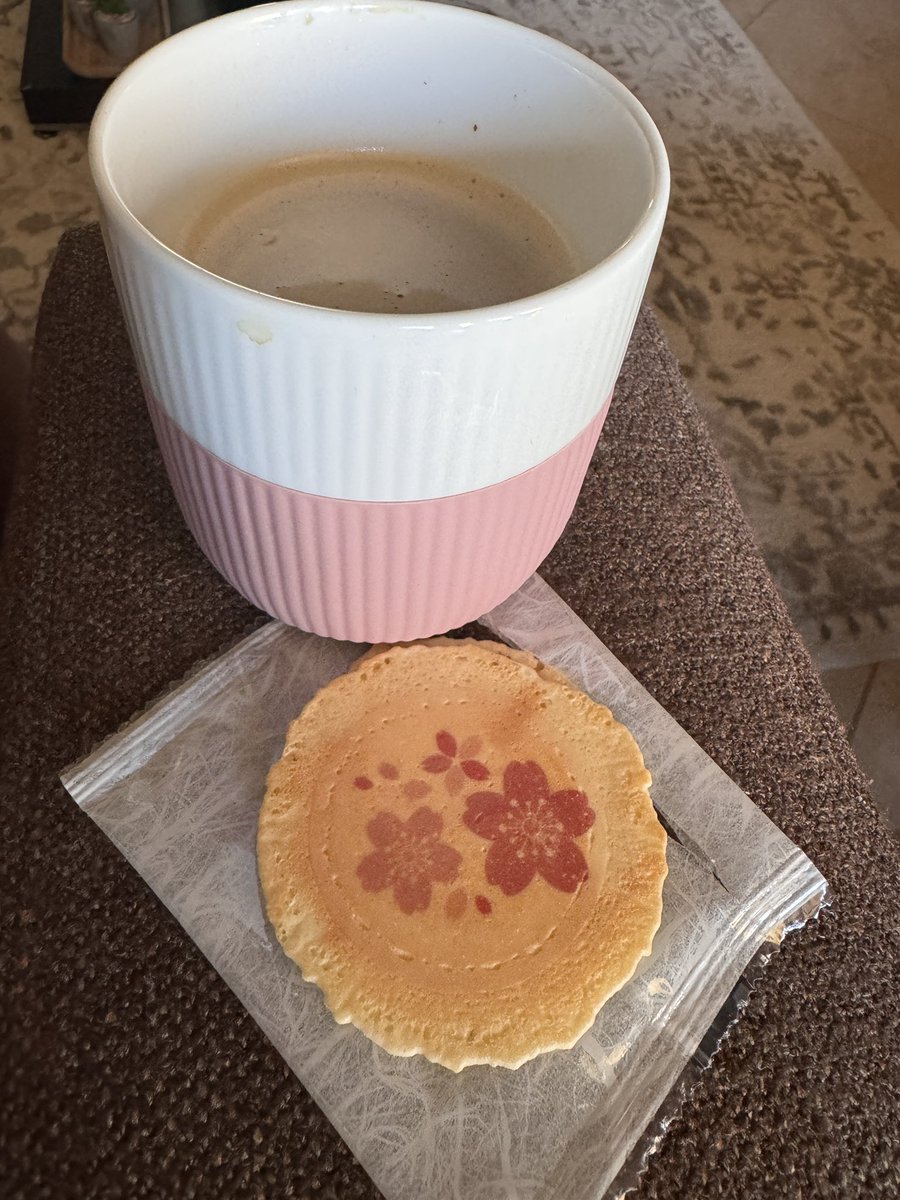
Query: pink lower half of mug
point(369, 571)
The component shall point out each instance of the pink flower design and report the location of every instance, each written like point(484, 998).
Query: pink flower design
point(416, 789)
point(408, 857)
point(456, 762)
point(532, 831)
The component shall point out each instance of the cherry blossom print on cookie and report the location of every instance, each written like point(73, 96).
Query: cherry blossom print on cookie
point(456, 761)
point(409, 857)
point(533, 830)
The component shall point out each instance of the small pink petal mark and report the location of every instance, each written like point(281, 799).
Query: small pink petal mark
point(408, 858)
point(388, 771)
point(484, 905)
point(455, 904)
point(446, 743)
point(475, 769)
point(363, 782)
point(416, 789)
point(454, 780)
point(434, 764)
point(456, 762)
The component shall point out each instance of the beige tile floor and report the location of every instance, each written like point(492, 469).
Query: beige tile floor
point(841, 59)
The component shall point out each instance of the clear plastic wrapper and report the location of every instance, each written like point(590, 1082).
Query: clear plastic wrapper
point(179, 790)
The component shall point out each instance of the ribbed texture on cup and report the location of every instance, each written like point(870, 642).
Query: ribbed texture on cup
point(370, 411)
point(369, 571)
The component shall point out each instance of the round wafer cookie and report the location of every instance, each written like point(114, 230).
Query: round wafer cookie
point(462, 854)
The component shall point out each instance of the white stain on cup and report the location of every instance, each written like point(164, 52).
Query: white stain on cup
point(256, 331)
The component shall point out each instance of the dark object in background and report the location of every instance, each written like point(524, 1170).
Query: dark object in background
point(55, 97)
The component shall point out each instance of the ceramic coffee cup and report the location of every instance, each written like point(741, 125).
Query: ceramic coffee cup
point(377, 476)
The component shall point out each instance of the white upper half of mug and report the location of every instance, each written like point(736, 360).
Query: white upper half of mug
point(364, 405)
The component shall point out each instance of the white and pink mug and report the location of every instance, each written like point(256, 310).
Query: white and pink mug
point(378, 477)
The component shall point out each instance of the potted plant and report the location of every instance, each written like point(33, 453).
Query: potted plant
point(83, 17)
point(118, 28)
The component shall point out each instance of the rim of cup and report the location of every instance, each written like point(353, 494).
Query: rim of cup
point(645, 229)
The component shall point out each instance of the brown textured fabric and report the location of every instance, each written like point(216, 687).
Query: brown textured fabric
point(132, 1071)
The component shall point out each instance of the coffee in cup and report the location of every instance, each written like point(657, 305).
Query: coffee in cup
point(373, 231)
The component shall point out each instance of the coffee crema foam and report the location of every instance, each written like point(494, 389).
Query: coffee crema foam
point(371, 231)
